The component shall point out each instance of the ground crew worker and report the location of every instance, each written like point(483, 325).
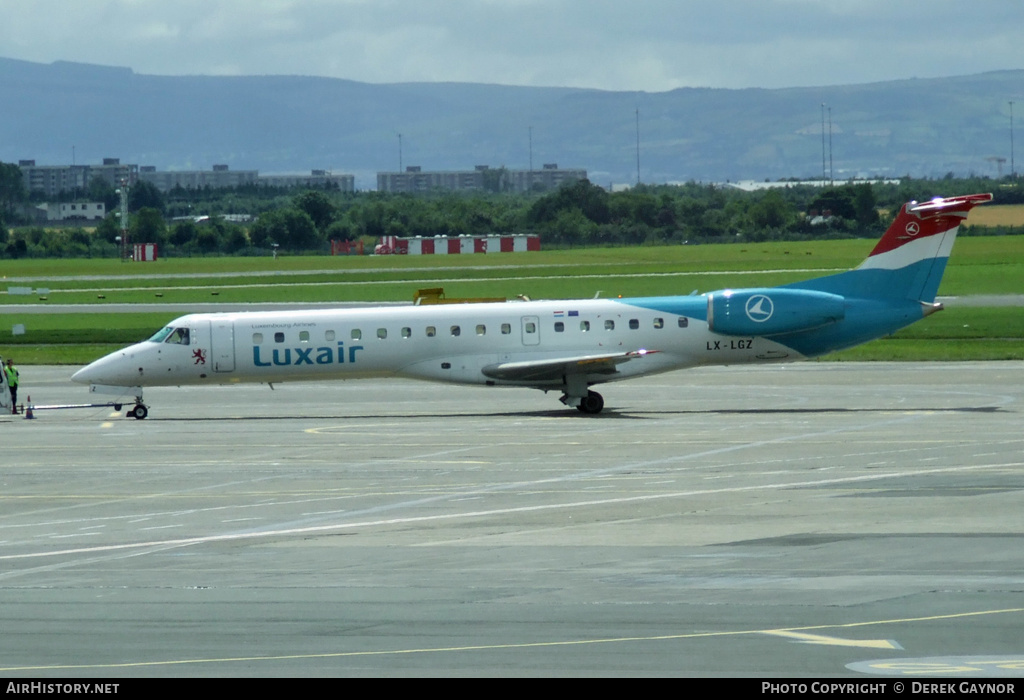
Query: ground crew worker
point(12, 384)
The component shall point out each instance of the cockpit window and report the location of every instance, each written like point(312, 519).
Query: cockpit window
point(161, 334)
point(178, 336)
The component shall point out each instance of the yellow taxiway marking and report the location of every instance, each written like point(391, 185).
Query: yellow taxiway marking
point(492, 647)
point(835, 641)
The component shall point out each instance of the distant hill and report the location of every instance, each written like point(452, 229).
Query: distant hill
point(291, 123)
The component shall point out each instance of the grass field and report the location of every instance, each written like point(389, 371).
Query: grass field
point(997, 215)
point(980, 265)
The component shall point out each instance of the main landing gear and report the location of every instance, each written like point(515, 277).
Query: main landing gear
point(592, 403)
point(578, 394)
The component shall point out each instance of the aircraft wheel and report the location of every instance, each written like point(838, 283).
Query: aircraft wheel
point(592, 403)
point(139, 412)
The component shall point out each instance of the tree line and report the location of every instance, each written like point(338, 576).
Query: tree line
point(577, 214)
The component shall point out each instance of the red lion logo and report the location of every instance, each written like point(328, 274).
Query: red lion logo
point(199, 355)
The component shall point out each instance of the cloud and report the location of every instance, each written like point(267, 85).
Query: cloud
point(610, 44)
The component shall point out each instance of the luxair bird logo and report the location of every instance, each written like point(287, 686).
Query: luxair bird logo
point(759, 308)
point(913, 228)
point(199, 355)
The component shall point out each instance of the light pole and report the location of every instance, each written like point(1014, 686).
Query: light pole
point(638, 145)
point(824, 172)
point(1013, 170)
point(529, 178)
point(123, 191)
point(831, 173)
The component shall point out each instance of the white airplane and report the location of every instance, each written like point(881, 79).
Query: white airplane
point(565, 346)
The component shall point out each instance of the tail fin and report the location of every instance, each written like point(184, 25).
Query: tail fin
point(909, 260)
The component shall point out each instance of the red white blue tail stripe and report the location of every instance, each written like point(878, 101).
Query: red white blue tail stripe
point(922, 232)
point(909, 260)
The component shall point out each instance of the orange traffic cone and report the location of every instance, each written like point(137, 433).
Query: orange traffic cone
point(28, 409)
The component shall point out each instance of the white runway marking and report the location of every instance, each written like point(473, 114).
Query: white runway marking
point(188, 541)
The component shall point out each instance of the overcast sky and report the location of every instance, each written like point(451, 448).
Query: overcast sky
point(651, 45)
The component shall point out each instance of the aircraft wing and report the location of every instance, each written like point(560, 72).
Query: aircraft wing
point(554, 369)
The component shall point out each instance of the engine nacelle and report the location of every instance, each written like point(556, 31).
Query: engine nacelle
point(772, 311)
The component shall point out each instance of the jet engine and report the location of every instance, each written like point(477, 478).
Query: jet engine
point(775, 311)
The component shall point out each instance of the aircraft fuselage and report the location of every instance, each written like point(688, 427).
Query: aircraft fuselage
point(451, 343)
point(563, 345)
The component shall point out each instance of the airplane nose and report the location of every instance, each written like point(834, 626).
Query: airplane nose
point(117, 369)
point(90, 374)
point(82, 375)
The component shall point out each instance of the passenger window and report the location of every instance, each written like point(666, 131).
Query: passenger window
point(431, 331)
point(609, 325)
point(531, 327)
point(481, 329)
point(357, 334)
point(506, 328)
point(456, 330)
point(683, 322)
point(382, 333)
point(584, 326)
point(329, 336)
point(257, 338)
point(559, 326)
point(407, 332)
point(659, 323)
point(634, 324)
point(278, 337)
point(303, 336)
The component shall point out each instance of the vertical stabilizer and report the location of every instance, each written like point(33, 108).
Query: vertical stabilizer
point(910, 258)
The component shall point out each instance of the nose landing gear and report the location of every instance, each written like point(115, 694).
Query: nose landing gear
point(138, 412)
